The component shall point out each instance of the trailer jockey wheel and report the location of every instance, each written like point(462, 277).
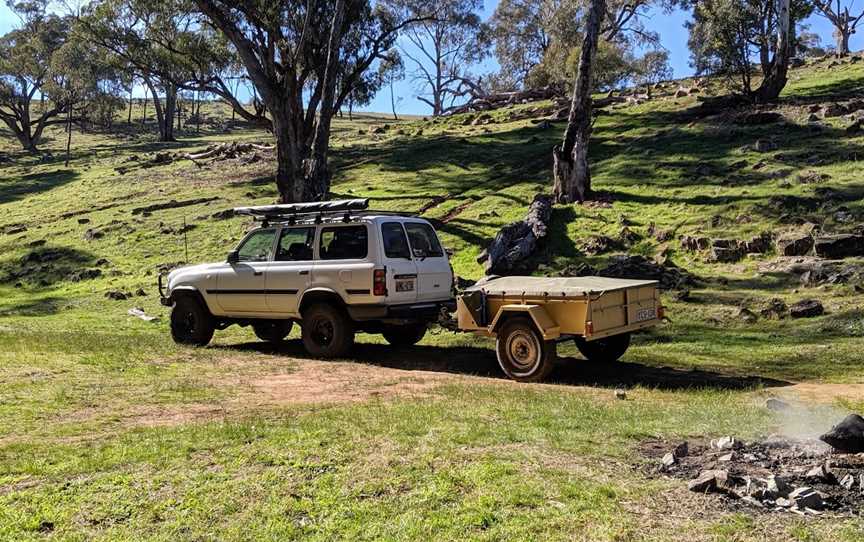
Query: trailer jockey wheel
point(522, 353)
point(606, 349)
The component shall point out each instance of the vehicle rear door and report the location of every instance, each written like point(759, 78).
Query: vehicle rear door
point(241, 286)
point(434, 275)
point(401, 268)
point(290, 272)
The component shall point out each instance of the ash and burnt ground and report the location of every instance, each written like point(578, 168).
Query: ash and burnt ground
point(770, 475)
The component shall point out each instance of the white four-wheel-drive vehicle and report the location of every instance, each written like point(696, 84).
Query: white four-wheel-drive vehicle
point(333, 267)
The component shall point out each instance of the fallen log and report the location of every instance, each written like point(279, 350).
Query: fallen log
point(173, 204)
point(516, 242)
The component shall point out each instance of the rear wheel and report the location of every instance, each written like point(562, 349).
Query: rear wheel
point(404, 335)
point(191, 322)
point(272, 331)
point(522, 353)
point(605, 349)
point(327, 331)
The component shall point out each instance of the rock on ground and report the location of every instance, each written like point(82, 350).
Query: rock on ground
point(806, 308)
point(846, 436)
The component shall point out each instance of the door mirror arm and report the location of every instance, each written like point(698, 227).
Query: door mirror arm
point(233, 257)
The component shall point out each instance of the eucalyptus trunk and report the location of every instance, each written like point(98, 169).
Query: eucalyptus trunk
point(570, 159)
point(775, 79)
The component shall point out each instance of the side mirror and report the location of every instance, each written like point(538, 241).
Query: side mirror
point(449, 251)
point(233, 257)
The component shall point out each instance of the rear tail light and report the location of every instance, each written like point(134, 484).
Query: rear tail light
point(589, 327)
point(379, 282)
point(661, 312)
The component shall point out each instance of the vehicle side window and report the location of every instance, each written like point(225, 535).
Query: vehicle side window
point(258, 246)
point(295, 245)
point(424, 242)
point(344, 243)
point(395, 242)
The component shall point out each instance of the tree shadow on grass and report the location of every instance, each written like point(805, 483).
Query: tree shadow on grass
point(37, 307)
point(45, 266)
point(16, 188)
point(569, 371)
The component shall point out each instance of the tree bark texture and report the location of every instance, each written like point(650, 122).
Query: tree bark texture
point(775, 80)
point(570, 159)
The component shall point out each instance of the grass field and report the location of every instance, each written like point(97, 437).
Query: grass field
point(108, 431)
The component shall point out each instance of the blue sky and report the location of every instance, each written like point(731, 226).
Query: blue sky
point(670, 26)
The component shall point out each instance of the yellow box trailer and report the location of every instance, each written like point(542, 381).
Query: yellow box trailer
point(528, 316)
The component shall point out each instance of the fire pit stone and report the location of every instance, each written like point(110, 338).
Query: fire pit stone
point(726, 443)
point(804, 497)
point(848, 481)
point(822, 473)
point(709, 481)
point(778, 486)
point(846, 436)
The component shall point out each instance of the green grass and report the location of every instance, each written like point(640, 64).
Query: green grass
point(108, 431)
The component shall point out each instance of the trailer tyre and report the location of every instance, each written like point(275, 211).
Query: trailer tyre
point(327, 331)
point(405, 335)
point(272, 331)
point(606, 349)
point(522, 353)
point(191, 322)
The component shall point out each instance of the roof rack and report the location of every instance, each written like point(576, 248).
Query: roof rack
point(314, 212)
point(294, 209)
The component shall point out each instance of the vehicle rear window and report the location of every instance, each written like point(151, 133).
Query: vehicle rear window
point(424, 242)
point(395, 242)
point(344, 243)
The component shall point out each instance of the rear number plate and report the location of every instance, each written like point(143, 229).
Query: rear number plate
point(645, 314)
point(405, 285)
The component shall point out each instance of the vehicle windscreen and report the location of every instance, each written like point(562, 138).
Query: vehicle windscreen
point(258, 247)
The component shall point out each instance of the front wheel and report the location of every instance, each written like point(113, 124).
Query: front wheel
point(191, 322)
point(327, 331)
point(405, 335)
point(605, 349)
point(272, 331)
point(522, 353)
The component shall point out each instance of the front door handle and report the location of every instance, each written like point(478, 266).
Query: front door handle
point(257, 273)
point(304, 272)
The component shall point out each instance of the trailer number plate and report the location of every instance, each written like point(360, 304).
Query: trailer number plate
point(645, 314)
point(405, 285)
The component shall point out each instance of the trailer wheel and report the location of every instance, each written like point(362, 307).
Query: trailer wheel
point(405, 335)
point(327, 331)
point(522, 353)
point(272, 331)
point(191, 322)
point(605, 349)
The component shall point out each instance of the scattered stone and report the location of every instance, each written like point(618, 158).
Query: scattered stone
point(709, 481)
point(620, 394)
point(821, 473)
point(776, 405)
point(117, 295)
point(92, 234)
point(804, 497)
point(783, 502)
point(669, 460)
point(834, 110)
point(728, 457)
point(759, 118)
point(764, 145)
point(84, 274)
point(778, 486)
point(726, 443)
point(759, 244)
point(37, 243)
point(223, 215)
point(15, 228)
point(837, 247)
point(681, 295)
point(140, 292)
point(628, 236)
point(694, 243)
point(640, 267)
point(746, 315)
point(600, 244)
point(846, 436)
point(775, 309)
point(681, 450)
point(83, 220)
point(725, 255)
point(847, 482)
point(795, 244)
point(138, 312)
point(807, 308)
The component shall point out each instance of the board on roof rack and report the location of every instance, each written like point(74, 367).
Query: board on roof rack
point(293, 209)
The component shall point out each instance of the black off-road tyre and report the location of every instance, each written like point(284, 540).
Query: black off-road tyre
point(606, 349)
point(522, 353)
point(191, 322)
point(272, 331)
point(328, 331)
point(405, 335)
